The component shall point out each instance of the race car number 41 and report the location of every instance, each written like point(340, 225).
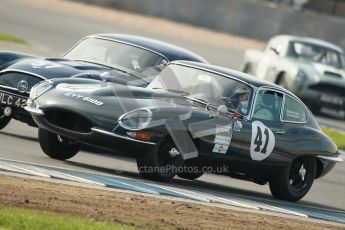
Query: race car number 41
point(262, 141)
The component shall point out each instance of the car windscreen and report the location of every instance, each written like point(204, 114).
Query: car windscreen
point(206, 86)
point(116, 54)
point(317, 53)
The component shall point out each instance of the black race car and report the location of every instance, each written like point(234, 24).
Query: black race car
point(192, 118)
point(118, 58)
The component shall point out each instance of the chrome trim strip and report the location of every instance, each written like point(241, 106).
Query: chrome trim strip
point(334, 159)
point(9, 87)
point(118, 41)
point(23, 71)
point(34, 110)
point(120, 136)
point(146, 123)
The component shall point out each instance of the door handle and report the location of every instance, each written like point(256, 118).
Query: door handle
point(279, 131)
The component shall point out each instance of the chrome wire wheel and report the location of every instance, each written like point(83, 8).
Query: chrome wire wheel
point(299, 172)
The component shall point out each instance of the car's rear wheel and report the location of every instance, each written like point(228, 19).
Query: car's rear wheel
point(281, 81)
point(4, 120)
point(56, 146)
point(294, 181)
point(160, 164)
point(190, 171)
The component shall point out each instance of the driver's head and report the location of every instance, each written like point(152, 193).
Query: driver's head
point(242, 93)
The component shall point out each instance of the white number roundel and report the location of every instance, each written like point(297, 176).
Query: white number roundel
point(262, 142)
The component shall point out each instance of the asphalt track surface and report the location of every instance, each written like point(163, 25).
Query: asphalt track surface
point(57, 31)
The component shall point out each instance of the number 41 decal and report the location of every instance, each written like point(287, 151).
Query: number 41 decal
point(262, 142)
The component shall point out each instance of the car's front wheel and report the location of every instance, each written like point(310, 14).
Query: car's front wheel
point(160, 164)
point(4, 120)
point(294, 181)
point(56, 146)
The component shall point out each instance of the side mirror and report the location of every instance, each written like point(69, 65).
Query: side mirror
point(274, 50)
point(222, 109)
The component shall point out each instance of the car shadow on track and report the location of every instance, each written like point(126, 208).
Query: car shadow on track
point(35, 139)
point(207, 187)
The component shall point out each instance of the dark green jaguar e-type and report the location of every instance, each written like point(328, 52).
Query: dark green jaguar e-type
point(192, 118)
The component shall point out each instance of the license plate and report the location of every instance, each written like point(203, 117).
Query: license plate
point(13, 101)
point(335, 100)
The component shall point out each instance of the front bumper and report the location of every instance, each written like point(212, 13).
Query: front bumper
point(322, 98)
point(97, 136)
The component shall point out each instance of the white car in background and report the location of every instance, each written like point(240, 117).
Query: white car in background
point(312, 69)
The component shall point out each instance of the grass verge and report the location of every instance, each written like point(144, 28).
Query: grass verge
point(15, 218)
point(337, 137)
point(11, 38)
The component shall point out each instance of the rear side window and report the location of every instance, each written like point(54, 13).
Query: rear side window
point(293, 111)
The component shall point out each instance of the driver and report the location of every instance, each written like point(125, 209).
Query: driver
point(239, 101)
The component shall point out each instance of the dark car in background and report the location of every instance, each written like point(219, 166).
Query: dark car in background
point(122, 59)
point(191, 116)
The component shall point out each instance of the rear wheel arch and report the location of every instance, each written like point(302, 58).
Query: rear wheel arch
point(248, 68)
point(281, 75)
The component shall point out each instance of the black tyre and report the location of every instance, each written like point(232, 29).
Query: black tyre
point(294, 181)
point(190, 171)
point(281, 81)
point(57, 147)
point(4, 120)
point(160, 164)
point(248, 69)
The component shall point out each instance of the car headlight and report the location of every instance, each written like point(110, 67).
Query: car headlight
point(301, 76)
point(136, 120)
point(40, 88)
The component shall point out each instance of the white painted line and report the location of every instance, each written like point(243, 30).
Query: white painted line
point(74, 178)
point(178, 192)
point(282, 210)
point(41, 165)
point(14, 168)
point(49, 173)
point(234, 203)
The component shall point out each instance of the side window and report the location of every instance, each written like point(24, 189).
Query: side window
point(293, 111)
point(268, 105)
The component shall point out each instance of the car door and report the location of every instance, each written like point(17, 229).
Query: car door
point(264, 134)
point(220, 137)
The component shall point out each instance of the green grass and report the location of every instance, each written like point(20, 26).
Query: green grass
point(11, 38)
point(15, 218)
point(337, 137)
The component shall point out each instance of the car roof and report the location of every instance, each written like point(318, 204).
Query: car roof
point(171, 52)
point(314, 41)
point(230, 73)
